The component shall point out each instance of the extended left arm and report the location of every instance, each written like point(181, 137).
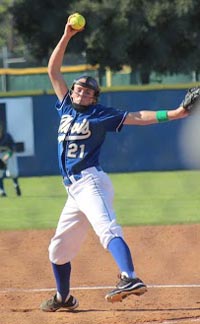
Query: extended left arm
point(148, 117)
point(190, 103)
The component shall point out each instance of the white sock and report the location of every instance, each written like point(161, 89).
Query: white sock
point(125, 274)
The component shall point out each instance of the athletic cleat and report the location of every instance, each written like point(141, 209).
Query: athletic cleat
point(53, 305)
point(126, 287)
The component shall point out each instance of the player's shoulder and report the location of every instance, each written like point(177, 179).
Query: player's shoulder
point(65, 101)
point(101, 110)
point(97, 110)
point(64, 106)
point(99, 107)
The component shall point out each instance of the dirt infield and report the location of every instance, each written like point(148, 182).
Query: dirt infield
point(166, 258)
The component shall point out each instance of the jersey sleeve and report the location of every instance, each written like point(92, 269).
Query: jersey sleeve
point(64, 105)
point(112, 119)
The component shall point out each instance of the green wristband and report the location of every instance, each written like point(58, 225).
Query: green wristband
point(9, 153)
point(162, 116)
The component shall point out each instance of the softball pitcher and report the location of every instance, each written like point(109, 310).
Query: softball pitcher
point(83, 127)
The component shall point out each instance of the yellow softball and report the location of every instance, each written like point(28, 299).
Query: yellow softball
point(77, 21)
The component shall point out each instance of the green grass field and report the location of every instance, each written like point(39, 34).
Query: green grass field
point(140, 199)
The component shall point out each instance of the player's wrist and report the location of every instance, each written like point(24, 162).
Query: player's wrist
point(162, 116)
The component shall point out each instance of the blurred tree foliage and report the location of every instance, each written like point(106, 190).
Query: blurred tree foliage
point(148, 35)
point(4, 23)
point(8, 35)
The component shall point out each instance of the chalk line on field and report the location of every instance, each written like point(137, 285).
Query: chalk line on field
point(30, 290)
point(164, 321)
point(178, 321)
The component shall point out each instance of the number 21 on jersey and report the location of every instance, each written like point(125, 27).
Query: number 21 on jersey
point(76, 151)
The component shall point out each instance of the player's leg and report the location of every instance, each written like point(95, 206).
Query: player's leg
point(2, 174)
point(122, 256)
point(129, 282)
point(70, 233)
point(98, 191)
point(2, 190)
point(62, 298)
point(16, 186)
point(12, 172)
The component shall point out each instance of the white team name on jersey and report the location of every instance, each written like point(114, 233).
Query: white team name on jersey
point(78, 130)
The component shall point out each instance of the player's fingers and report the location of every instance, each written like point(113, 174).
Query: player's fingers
point(70, 30)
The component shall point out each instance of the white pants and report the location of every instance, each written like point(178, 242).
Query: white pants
point(90, 201)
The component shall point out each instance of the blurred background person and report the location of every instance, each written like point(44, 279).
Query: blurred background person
point(8, 163)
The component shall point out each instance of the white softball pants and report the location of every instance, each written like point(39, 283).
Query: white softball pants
point(90, 201)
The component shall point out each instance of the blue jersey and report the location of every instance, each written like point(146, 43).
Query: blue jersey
point(81, 134)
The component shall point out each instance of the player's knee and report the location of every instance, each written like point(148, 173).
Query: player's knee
point(56, 255)
point(59, 253)
point(109, 232)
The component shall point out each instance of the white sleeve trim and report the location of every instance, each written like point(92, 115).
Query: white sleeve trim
point(122, 121)
point(60, 104)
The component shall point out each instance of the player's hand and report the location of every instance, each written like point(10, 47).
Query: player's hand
point(70, 31)
point(181, 112)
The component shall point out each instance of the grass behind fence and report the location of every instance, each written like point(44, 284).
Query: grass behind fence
point(142, 198)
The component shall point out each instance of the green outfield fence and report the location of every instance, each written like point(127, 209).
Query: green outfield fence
point(36, 79)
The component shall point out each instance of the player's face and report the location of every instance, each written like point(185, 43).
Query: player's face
point(82, 95)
